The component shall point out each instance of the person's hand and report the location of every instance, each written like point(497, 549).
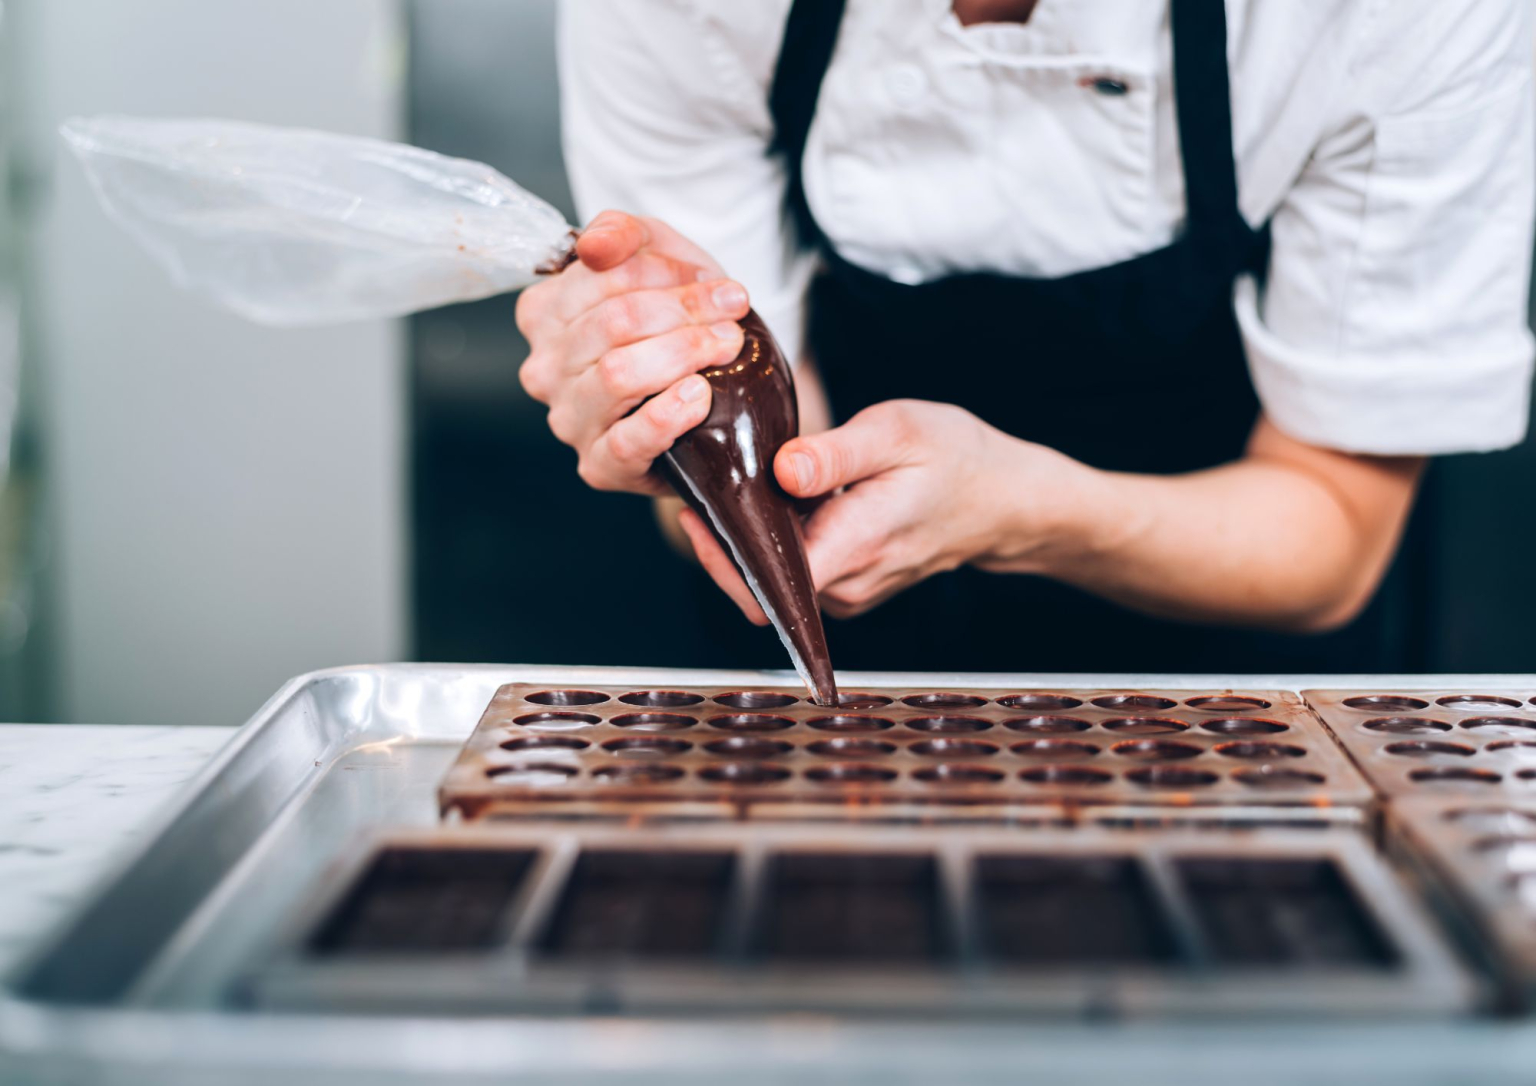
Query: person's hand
point(926, 487)
point(629, 325)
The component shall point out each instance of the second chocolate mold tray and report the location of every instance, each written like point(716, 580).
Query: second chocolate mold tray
point(626, 752)
point(1441, 743)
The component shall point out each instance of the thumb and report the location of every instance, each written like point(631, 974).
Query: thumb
point(865, 445)
point(610, 239)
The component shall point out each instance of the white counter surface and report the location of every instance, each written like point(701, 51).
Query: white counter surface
point(72, 797)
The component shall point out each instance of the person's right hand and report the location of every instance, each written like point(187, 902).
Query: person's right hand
point(631, 322)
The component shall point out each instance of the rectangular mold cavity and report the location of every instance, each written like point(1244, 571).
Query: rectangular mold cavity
point(1286, 913)
point(874, 908)
point(710, 753)
point(1067, 911)
point(745, 918)
point(642, 904)
point(421, 900)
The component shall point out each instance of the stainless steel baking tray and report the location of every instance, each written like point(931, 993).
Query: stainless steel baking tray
point(137, 984)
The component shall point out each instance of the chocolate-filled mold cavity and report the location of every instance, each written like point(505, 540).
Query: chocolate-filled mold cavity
point(1156, 750)
point(551, 722)
point(1243, 725)
point(747, 752)
point(1513, 748)
point(958, 773)
point(1227, 703)
point(1145, 725)
point(852, 747)
point(756, 699)
point(1048, 724)
point(661, 699)
point(859, 700)
point(851, 773)
point(949, 725)
point(953, 748)
point(745, 773)
point(749, 746)
point(944, 700)
point(1040, 703)
point(1134, 703)
point(647, 746)
point(541, 743)
point(847, 722)
point(567, 697)
point(653, 722)
point(1450, 742)
point(750, 722)
point(1270, 776)
point(1055, 750)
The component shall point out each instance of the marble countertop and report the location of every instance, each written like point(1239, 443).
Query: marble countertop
point(72, 797)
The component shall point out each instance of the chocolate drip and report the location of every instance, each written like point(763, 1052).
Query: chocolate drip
point(723, 468)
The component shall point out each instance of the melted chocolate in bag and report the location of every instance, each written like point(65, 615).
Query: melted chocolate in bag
point(723, 468)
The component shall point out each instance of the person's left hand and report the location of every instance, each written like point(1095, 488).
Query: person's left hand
point(928, 487)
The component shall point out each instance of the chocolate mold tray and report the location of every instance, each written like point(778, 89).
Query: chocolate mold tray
point(725, 919)
point(713, 752)
point(1439, 743)
point(1481, 858)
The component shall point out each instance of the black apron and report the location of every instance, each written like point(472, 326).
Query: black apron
point(1134, 367)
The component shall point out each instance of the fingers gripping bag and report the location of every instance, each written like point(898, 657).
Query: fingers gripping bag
point(290, 226)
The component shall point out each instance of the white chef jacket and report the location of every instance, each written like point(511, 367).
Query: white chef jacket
point(1389, 143)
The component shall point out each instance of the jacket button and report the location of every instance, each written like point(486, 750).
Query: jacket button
point(1114, 88)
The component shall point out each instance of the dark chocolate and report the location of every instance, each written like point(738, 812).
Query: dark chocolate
point(723, 468)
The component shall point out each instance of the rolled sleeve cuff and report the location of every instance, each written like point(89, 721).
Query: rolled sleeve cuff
point(1418, 407)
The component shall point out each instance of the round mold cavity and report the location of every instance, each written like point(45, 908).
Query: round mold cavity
point(757, 699)
point(750, 722)
point(567, 697)
point(749, 746)
point(653, 722)
point(1134, 701)
point(744, 773)
point(1066, 776)
point(851, 773)
point(949, 725)
point(533, 775)
point(661, 699)
point(556, 722)
point(1040, 703)
point(1513, 748)
point(1256, 750)
point(1499, 725)
point(1406, 725)
point(544, 742)
point(1227, 703)
point(1526, 774)
point(1428, 748)
point(1495, 841)
point(1145, 725)
point(1055, 749)
point(1156, 750)
point(953, 748)
point(1047, 725)
point(850, 722)
point(1454, 774)
point(1492, 819)
point(1244, 725)
point(1172, 776)
point(957, 773)
point(1270, 776)
point(1515, 852)
point(857, 700)
point(1478, 703)
point(637, 773)
point(1387, 703)
point(647, 746)
point(852, 748)
point(940, 699)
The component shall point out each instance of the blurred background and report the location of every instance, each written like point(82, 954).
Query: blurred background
point(193, 508)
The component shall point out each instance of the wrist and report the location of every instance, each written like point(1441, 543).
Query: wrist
point(1051, 512)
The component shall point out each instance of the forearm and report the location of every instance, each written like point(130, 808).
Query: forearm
point(1288, 537)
